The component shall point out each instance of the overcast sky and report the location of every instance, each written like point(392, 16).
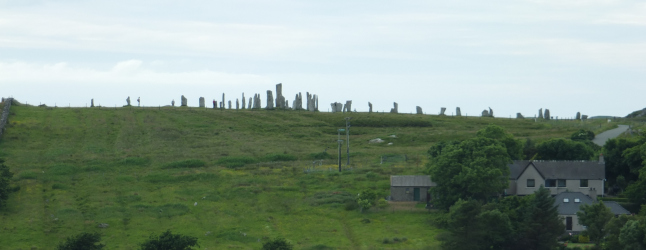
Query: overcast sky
point(513, 56)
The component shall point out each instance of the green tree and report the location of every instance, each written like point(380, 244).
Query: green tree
point(636, 191)
point(169, 241)
point(582, 135)
point(461, 224)
point(366, 199)
point(595, 217)
point(277, 244)
point(496, 228)
point(619, 162)
point(514, 147)
point(543, 224)
point(473, 169)
point(564, 150)
point(632, 236)
point(613, 229)
point(82, 241)
point(5, 179)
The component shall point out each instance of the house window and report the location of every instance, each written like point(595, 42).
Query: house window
point(550, 183)
point(583, 184)
point(530, 183)
point(561, 183)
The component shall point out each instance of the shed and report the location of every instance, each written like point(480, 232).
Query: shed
point(410, 188)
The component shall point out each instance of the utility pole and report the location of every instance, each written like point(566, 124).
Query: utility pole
point(347, 134)
point(339, 141)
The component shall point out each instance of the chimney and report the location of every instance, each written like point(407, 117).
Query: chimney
point(593, 194)
point(601, 160)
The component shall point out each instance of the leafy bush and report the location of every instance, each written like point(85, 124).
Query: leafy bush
point(582, 135)
point(396, 239)
point(386, 241)
point(169, 241)
point(185, 164)
point(86, 241)
point(277, 244)
point(236, 161)
point(351, 205)
point(584, 239)
point(279, 157)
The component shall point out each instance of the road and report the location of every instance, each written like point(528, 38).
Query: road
point(601, 139)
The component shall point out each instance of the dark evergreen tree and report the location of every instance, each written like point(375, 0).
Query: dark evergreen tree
point(564, 150)
point(461, 224)
point(543, 225)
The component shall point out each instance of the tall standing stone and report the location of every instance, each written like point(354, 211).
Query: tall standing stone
point(369, 107)
point(442, 110)
point(184, 101)
point(347, 107)
point(223, 101)
point(237, 104)
point(280, 99)
point(229, 104)
point(128, 100)
point(419, 110)
point(395, 108)
point(172, 103)
point(92, 103)
point(316, 103)
point(578, 115)
point(202, 103)
point(243, 99)
point(270, 100)
point(547, 114)
point(490, 112)
point(540, 113)
point(519, 116)
point(458, 112)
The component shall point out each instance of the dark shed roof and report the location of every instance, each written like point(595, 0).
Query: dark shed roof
point(411, 181)
point(571, 207)
point(571, 170)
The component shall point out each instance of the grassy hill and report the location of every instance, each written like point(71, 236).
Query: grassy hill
point(141, 170)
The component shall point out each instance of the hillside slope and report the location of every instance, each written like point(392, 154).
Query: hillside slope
point(141, 170)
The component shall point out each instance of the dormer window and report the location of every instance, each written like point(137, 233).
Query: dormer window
point(577, 200)
point(566, 200)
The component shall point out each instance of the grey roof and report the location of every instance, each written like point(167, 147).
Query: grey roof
point(571, 207)
point(571, 170)
point(411, 181)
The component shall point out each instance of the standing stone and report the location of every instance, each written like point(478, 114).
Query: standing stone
point(128, 100)
point(540, 113)
point(298, 102)
point(286, 104)
point(92, 103)
point(547, 114)
point(316, 103)
point(202, 103)
point(237, 104)
point(138, 101)
point(490, 112)
point(457, 112)
point(222, 104)
point(584, 117)
point(184, 101)
point(223, 101)
point(337, 107)
point(369, 107)
point(519, 116)
point(442, 110)
point(419, 110)
point(347, 107)
point(395, 108)
point(270, 100)
point(172, 103)
point(250, 103)
point(485, 113)
point(243, 99)
point(578, 115)
point(229, 104)
point(280, 99)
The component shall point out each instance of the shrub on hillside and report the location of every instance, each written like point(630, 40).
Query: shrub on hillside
point(277, 244)
point(82, 241)
point(236, 161)
point(169, 241)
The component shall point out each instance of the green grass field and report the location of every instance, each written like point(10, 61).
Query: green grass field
point(141, 170)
